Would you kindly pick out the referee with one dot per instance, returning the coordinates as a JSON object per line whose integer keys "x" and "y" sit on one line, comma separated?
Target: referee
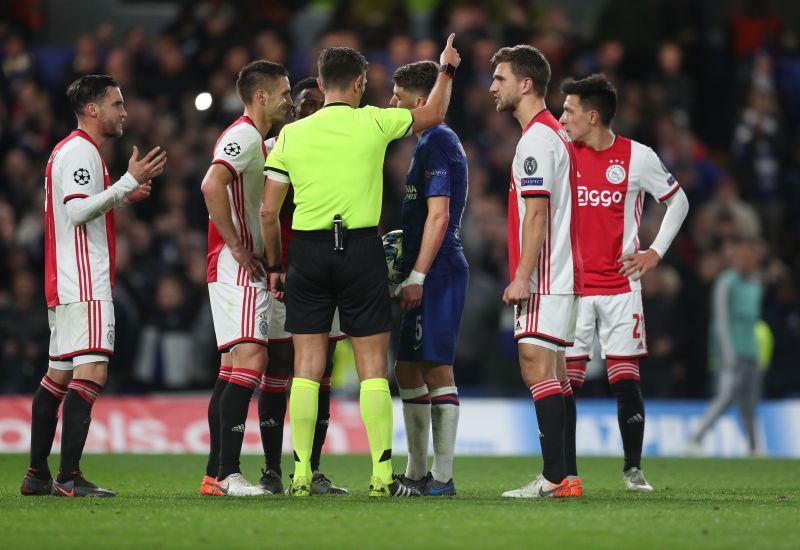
{"x": 334, "y": 161}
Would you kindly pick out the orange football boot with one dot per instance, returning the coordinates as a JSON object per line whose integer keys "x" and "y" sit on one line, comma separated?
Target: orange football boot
{"x": 575, "y": 487}
{"x": 209, "y": 487}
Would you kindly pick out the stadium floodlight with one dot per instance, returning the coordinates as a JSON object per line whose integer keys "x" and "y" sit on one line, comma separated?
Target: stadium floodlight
{"x": 203, "y": 101}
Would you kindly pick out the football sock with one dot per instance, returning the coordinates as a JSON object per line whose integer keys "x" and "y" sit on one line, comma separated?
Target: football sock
{"x": 323, "y": 418}
{"x": 417, "y": 417}
{"x": 576, "y": 372}
{"x": 444, "y": 419}
{"x": 271, "y": 417}
{"x": 303, "y": 418}
{"x": 81, "y": 395}
{"x": 233, "y": 405}
{"x": 376, "y": 413}
{"x": 44, "y": 419}
{"x": 212, "y": 466}
{"x": 630, "y": 416}
{"x": 549, "y": 403}
{"x": 570, "y": 425}
{"x": 623, "y": 376}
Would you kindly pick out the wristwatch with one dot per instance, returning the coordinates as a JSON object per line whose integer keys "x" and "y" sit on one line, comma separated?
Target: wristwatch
{"x": 448, "y": 69}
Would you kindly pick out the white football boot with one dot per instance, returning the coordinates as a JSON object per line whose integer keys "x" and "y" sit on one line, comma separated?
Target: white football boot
{"x": 635, "y": 481}
{"x": 235, "y": 485}
{"x": 540, "y": 488}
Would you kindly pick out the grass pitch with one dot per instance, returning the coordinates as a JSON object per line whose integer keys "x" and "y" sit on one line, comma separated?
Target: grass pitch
{"x": 698, "y": 503}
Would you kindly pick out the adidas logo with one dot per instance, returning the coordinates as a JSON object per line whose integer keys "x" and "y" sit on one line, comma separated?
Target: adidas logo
{"x": 519, "y": 326}
{"x": 640, "y": 346}
{"x": 239, "y": 428}
{"x": 269, "y": 423}
{"x": 635, "y": 419}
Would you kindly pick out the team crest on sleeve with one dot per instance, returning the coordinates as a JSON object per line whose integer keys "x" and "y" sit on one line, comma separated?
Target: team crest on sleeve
{"x": 232, "y": 149}
{"x": 615, "y": 173}
{"x": 530, "y": 166}
{"x": 81, "y": 176}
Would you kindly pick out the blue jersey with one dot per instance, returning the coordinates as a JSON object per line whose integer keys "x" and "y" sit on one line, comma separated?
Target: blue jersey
{"x": 438, "y": 168}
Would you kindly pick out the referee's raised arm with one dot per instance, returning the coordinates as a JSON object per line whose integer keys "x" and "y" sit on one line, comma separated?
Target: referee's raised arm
{"x": 435, "y": 108}
{"x": 334, "y": 161}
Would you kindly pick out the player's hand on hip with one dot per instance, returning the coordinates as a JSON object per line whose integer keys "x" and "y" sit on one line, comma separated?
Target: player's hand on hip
{"x": 141, "y": 192}
{"x": 253, "y": 265}
{"x": 517, "y": 293}
{"x": 149, "y": 167}
{"x": 637, "y": 264}
{"x": 276, "y": 282}
{"x": 410, "y": 297}
{"x": 450, "y": 55}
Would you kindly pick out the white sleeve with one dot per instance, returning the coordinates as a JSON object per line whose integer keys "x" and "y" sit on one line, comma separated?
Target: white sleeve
{"x": 677, "y": 209}
{"x": 234, "y": 149}
{"x": 84, "y": 209}
{"x": 534, "y": 167}
{"x": 654, "y": 176}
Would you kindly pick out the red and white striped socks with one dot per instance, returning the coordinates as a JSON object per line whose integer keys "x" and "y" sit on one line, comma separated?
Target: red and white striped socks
{"x": 622, "y": 369}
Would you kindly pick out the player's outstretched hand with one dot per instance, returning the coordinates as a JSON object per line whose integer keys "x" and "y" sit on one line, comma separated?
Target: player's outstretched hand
{"x": 517, "y": 293}
{"x": 276, "y": 285}
{"x": 410, "y": 296}
{"x": 141, "y": 192}
{"x": 149, "y": 167}
{"x": 450, "y": 54}
{"x": 637, "y": 264}
{"x": 255, "y": 266}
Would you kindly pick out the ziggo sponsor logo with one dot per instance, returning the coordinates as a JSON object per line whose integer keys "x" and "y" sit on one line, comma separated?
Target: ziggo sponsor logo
{"x": 598, "y": 198}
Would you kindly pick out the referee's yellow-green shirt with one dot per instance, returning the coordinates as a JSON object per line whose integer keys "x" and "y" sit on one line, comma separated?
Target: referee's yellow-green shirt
{"x": 334, "y": 161}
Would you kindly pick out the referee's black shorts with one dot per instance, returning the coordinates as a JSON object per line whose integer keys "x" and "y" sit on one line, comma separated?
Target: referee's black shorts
{"x": 319, "y": 279}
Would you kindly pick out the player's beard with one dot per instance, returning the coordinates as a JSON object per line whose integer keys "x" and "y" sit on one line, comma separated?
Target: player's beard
{"x": 506, "y": 104}
{"x": 112, "y": 128}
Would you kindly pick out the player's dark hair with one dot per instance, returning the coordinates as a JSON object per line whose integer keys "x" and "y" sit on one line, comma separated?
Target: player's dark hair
{"x": 595, "y": 92}
{"x": 308, "y": 83}
{"x": 258, "y": 74}
{"x": 526, "y": 62}
{"x": 339, "y": 66}
{"x": 90, "y": 88}
{"x": 419, "y": 76}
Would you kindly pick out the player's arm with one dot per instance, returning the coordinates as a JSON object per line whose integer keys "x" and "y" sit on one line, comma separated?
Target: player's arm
{"x": 534, "y": 227}
{"x": 657, "y": 181}
{"x": 271, "y": 202}
{"x": 215, "y": 192}
{"x": 82, "y": 208}
{"x": 435, "y": 109}
{"x": 432, "y": 236}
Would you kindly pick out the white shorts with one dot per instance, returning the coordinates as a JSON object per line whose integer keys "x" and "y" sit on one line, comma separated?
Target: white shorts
{"x": 277, "y": 332}
{"x": 618, "y": 319}
{"x": 80, "y": 333}
{"x": 241, "y": 314}
{"x": 547, "y": 320}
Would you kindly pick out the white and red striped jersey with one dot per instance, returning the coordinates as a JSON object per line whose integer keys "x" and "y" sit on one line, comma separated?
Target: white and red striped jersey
{"x": 611, "y": 187}
{"x": 544, "y": 166}
{"x": 241, "y": 149}
{"x": 79, "y": 261}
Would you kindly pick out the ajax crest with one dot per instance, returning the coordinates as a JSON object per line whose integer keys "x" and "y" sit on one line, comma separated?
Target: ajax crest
{"x": 615, "y": 173}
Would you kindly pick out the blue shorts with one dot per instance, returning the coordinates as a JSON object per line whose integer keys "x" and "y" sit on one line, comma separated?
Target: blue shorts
{"x": 429, "y": 333}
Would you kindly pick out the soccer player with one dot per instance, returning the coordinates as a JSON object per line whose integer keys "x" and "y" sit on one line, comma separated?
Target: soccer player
{"x": 275, "y": 383}
{"x": 79, "y": 276}
{"x": 544, "y": 259}
{"x": 334, "y": 162}
{"x": 613, "y": 175}
{"x": 240, "y": 301}
{"x": 433, "y": 293}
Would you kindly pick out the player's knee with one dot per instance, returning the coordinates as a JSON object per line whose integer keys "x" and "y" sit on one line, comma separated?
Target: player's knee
{"x": 96, "y": 372}
{"x": 249, "y": 356}
{"x": 61, "y": 377}
{"x": 438, "y": 376}
{"x": 408, "y": 375}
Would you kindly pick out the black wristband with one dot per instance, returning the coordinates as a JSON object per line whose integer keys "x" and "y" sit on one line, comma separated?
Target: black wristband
{"x": 448, "y": 69}
{"x": 277, "y": 268}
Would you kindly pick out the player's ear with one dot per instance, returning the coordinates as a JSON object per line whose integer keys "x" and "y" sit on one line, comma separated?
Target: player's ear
{"x": 320, "y": 86}
{"x": 421, "y": 101}
{"x": 527, "y": 85}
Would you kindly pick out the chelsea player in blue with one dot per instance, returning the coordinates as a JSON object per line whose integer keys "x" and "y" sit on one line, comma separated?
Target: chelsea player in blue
{"x": 433, "y": 293}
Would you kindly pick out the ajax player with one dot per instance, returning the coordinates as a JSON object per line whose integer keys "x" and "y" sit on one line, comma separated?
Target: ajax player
{"x": 544, "y": 259}
{"x": 613, "y": 174}
{"x": 79, "y": 276}
{"x": 240, "y": 301}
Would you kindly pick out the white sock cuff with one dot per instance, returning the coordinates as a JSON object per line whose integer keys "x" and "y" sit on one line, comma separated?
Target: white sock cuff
{"x": 413, "y": 393}
{"x": 446, "y": 390}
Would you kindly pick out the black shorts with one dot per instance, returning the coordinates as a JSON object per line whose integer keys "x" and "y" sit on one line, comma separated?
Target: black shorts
{"x": 319, "y": 279}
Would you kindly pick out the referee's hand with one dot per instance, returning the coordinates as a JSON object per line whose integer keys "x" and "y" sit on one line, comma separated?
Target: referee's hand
{"x": 254, "y": 266}
{"x": 450, "y": 55}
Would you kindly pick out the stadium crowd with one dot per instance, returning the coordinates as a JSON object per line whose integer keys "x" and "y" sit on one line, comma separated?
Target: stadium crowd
{"x": 720, "y": 106}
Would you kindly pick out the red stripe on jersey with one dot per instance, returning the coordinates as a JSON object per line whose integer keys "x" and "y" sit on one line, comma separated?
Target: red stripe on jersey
{"x": 75, "y": 196}
{"x": 88, "y": 262}
{"x": 637, "y": 214}
{"x": 513, "y": 229}
{"x": 670, "y": 193}
{"x": 215, "y": 244}
{"x": 111, "y": 233}
{"x": 50, "y": 252}
{"x": 79, "y": 263}
{"x": 574, "y": 229}
{"x": 549, "y": 245}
